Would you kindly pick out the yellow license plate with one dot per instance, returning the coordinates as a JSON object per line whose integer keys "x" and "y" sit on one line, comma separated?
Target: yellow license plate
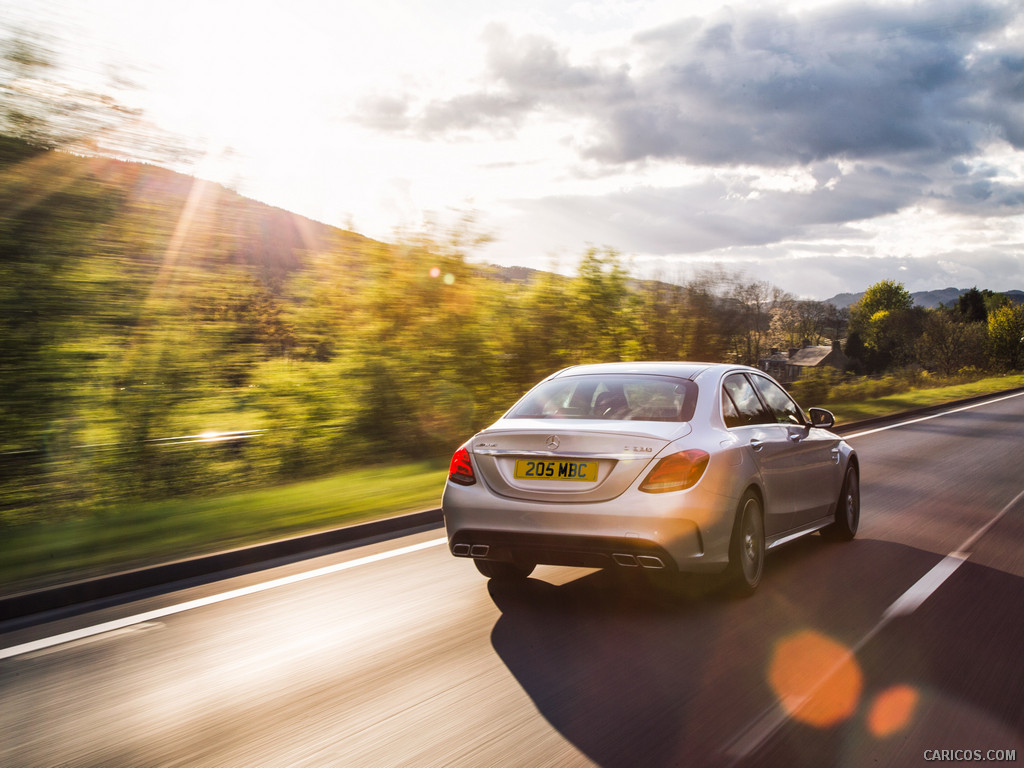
{"x": 556, "y": 469}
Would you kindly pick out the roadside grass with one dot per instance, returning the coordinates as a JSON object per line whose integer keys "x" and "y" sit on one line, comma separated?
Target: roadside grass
{"x": 135, "y": 535}
{"x": 850, "y": 411}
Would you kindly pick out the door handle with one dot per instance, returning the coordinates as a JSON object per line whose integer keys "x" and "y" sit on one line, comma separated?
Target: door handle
{"x": 798, "y": 434}
{"x": 756, "y": 444}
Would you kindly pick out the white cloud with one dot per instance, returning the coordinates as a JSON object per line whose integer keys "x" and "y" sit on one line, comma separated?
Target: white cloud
{"x": 820, "y": 145}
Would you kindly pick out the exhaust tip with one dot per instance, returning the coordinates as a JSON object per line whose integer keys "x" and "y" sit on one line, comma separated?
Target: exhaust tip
{"x": 650, "y": 561}
{"x": 627, "y": 561}
{"x": 479, "y": 550}
{"x": 461, "y": 550}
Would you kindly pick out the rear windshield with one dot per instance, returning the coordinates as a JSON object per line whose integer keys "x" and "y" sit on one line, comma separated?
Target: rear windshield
{"x": 618, "y": 397}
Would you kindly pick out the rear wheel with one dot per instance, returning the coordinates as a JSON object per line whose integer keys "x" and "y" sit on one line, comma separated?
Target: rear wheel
{"x": 844, "y": 528}
{"x": 502, "y": 571}
{"x": 746, "y": 550}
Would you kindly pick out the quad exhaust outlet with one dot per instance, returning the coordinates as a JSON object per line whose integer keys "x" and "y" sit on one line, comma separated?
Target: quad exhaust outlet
{"x": 638, "y": 561}
{"x": 622, "y": 559}
{"x": 471, "y": 550}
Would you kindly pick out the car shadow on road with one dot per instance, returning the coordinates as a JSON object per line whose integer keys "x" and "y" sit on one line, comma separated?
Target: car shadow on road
{"x": 610, "y": 664}
{"x": 636, "y": 674}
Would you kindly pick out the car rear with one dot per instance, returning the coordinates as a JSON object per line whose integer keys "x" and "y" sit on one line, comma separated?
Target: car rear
{"x": 595, "y": 470}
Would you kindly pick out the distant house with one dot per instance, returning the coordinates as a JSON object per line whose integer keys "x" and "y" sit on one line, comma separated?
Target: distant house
{"x": 789, "y": 366}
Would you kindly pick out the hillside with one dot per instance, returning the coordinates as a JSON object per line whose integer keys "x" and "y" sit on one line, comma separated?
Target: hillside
{"x": 179, "y": 211}
{"x": 927, "y": 299}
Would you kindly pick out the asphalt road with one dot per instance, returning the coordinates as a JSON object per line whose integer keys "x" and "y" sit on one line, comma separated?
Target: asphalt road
{"x": 887, "y": 650}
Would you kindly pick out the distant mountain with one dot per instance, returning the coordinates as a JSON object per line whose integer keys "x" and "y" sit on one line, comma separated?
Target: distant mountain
{"x": 844, "y": 300}
{"x": 521, "y": 275}
{"x": 926, "y": 299}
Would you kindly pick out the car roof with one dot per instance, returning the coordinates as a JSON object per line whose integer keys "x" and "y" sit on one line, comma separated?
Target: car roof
{"x": 682, "y": 370}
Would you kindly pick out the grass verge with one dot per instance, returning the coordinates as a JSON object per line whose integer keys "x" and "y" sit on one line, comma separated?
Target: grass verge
{"x": 846, "y": 412}
{"x": 142, "y": 534}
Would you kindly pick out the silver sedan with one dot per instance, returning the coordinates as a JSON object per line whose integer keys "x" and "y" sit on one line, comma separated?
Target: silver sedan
{"x": 671, "y": 467}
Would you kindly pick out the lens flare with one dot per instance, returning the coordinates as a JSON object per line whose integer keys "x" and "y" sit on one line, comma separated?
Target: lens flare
{"x": 816, "y": 679}
{"x": 892, "y": 710}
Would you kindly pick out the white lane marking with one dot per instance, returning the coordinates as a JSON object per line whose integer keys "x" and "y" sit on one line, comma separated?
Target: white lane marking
{"x": 933, "y": 416}
{"x": 911, "y": 600}
{"x": 973, "y": 539}
{"x": 775, "y": 716}
{"x": 159, "y": 613}
{"x": 126, "y": 631}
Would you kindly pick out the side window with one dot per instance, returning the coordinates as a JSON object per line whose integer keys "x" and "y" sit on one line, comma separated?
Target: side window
{"x": 786, "y": 411}
{"x": 730, "y": 414}
{"x": 747, "y": 406}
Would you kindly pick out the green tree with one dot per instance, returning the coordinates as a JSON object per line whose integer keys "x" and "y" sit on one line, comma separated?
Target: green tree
{"x": 889, "y": 325}
{"x": 883, "y": 296}
{"x": 971, "y": 306}
{"x": 1006, "y": 336}
{"x": 994, "y": 301}
{"x": 948, "y": 345}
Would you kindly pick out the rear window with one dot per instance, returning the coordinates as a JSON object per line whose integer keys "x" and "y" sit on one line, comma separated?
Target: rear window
{"x": 619, "y": 397}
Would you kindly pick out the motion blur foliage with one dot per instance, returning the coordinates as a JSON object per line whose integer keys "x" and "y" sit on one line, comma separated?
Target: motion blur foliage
{"x": 600, "y": 302}
{"x": 53, "y": 304}
{"x": 821, "y": 386}
{"x": 40, "y": 108}
{"x": 815, "y": 387}
{"x": 163, "y": 336}
{"x": 414, "y": 324}
{"x": 133, "y": 308}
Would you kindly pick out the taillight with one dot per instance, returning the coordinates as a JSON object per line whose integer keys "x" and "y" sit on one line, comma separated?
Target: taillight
{"x": 676, "y": 472}
{"x": 461, "y": 469}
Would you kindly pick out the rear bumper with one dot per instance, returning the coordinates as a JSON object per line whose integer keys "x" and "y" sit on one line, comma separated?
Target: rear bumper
{"x": 686, "y": 531}
{"x": 553, "y": 549}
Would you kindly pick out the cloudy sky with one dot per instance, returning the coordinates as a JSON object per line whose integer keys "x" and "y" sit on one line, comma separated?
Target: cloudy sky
{"x": 820, "y": 146}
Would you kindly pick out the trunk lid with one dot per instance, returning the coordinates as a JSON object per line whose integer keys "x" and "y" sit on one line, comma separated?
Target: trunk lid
{"x": 577, "y": 461}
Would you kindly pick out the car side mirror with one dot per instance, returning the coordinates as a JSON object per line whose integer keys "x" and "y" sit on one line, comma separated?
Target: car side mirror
{"x": 822, "y": 418}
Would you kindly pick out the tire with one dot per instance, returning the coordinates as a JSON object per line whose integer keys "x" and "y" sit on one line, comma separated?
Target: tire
{"x": 502, "y": 571}
{"x": 746, "y": 549}
{"x": 847, "y": 520}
